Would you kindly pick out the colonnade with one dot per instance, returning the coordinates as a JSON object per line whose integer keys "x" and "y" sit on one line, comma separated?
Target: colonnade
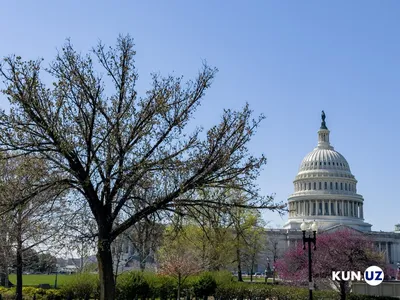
{"x": 390, "y": 249}
{"x": 326, "y": 208}
{"x": 325, "y": 185}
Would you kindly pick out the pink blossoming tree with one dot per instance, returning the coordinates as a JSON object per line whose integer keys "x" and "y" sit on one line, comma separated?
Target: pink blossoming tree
{"x": 342, "y": 250}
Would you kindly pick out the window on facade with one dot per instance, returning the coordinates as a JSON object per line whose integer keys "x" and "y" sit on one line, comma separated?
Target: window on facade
{"x": 330, "y": 185}
{"x": 313, "y": 209}
{"x": 315, "y": 185}
{"x": 333, "y": 163}
{"x": 320, "y": 163}
{"x": 324, "y": 163}
{"x": 329, "y": 163}
{"x": 336, "y": 185}
{"x": 341, "y": 186}
{"x": 326, "y": 185}
{"x": 309, "y": 185}
{"x": 333, "y": 209}
{"x": 326, "y": 208}
{"x": 320, "y": 208}
{"x": 339, "y": 211}
{"x": 345, "y": 186}
{"x": 320, "y": 184}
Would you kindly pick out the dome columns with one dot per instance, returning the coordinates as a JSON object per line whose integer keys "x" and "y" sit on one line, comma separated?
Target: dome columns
{"x": 326, "y": 207}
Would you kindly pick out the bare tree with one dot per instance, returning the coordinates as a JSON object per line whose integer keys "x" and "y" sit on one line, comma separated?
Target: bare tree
{"x": 272, "y": 246}
{"x": 117, "y": 253}
{"x": 110, "y": 143}
{"x": 6, "y": 250}
{"x": 145, "y": 237}
{"x": 31, "y": 213}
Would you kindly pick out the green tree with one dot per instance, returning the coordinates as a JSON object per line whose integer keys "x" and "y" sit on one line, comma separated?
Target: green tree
{"x": 210, "y": 231}
{"x": 178, "y": 260}
{"x": 249, "y": 233}
{"x": 47, "y": 263}
{"x": 30, "y": 260}
{"x": 254, "y": 238}
{"x": 110, "y": 144}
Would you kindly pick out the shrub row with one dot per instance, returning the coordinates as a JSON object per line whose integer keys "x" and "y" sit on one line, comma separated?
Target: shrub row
{"x": 31, "y": 292}
{"x": 221, "y": 285}
{"x": 82, "y": 286}
{"x": 138, "y": 285}
{"x": 133, "y": 285}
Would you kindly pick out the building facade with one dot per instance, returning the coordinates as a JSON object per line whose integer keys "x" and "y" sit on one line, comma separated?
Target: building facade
{"x": 325, "y": 190}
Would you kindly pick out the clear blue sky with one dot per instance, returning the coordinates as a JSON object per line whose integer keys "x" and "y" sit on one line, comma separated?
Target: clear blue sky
{"x": 288, "y": 59}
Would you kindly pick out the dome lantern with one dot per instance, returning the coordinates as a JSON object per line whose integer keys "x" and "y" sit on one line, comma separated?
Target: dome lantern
{"x": 323, "y": 134}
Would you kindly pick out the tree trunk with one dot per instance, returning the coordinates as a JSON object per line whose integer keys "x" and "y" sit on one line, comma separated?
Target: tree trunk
{"x": 118, "y": 256}
{"x": 18, "y": 292}
{"x": 179, "y": 287}
{"x": 105, "y": 263}
{"x": 4, "y": 281}
{"x": 239, "y": 261}
{"x": 142, "y": 259}
{"x": 342, "y": 290}
{"x": 252, "y": 267}
{"x": 142, "y": 265}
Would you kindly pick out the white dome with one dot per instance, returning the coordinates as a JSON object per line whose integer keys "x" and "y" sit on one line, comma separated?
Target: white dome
{"x": 324, "y": 159}
{"x": 325, "y": 190}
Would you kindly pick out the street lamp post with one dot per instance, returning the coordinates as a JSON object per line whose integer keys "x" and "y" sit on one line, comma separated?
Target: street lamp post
{"x": 267, "y": 271}
{"x": 309, "y": 239}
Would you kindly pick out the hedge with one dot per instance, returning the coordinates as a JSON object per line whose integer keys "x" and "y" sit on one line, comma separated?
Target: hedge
{"x": 30, "y": 292}
{"x": 142, "y": 285}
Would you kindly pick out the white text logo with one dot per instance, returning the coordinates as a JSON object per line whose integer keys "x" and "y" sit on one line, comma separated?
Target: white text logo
{"x": 373, "y": 275}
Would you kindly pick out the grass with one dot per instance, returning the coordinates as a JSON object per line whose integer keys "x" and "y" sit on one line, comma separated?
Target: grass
{"x": 36, "y": 279}
{"x": 258, "y": 279}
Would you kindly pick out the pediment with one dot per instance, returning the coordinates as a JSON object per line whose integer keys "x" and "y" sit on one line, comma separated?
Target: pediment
{"x": 341, "y": 227}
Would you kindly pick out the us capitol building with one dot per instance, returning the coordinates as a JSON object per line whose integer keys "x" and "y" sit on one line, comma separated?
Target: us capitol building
{"x": 325, "y": 190}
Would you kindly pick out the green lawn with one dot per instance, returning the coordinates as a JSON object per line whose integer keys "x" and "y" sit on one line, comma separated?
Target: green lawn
{"x": 36, "y": 279}
{"x": 258, "y": 279}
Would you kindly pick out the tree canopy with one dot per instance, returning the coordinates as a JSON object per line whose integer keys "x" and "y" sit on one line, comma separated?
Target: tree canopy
{"x": 113, "y": 146}
{"x": 342, "y": 250}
